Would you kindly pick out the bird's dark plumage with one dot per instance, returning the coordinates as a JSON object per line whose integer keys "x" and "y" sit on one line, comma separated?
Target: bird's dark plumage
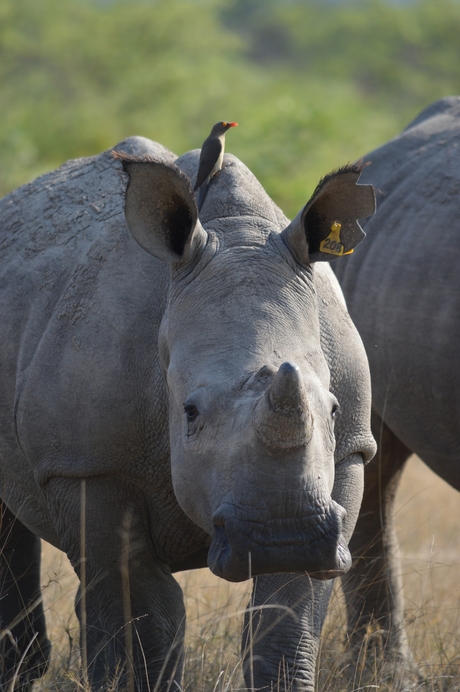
{"x": 212, "y": 153}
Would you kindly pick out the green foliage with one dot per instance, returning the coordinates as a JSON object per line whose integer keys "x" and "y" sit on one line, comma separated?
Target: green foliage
{"x": 312, "y": 84}
{"x": 400, "y": 52}
{"x": 77, "y": 78}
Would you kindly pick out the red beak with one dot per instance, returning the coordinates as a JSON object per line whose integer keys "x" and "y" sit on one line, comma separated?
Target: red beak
{"x": 233, "y": 124}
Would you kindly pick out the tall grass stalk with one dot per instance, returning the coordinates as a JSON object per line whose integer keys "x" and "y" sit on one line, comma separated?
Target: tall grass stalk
{"x": 83, "y": 632}
{"x": 126, "y": 528}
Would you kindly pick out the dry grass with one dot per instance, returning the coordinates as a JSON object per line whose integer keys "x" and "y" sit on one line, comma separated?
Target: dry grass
{"x": 428, "y": 523}
{"x": 429, "y": 530}
{"x": 428, "y": 519}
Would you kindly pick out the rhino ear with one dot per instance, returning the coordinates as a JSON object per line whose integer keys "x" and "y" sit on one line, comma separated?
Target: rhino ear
{"x": 327, "y": 227}
{"x": 160, "y": 208}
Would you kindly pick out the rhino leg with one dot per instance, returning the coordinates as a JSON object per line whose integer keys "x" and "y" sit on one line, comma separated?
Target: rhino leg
{"x": 373, "y": 588}
{"x": 24, "y": 647}
{"x": 286, "y": 613}
{"x": 133, "y": 607}
{"x": 282, "y": 632}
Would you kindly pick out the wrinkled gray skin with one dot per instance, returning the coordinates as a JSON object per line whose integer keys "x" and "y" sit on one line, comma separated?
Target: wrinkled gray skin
{"x": 103, "y": 344}
{"x": 402, "y": 288}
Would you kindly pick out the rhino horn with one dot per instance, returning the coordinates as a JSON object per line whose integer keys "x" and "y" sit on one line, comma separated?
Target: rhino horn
{"x": 281, "y": 416}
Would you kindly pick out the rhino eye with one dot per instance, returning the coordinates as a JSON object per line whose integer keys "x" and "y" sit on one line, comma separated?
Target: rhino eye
{"x": 191, "y": 411}
{"x": 335, "y": 411}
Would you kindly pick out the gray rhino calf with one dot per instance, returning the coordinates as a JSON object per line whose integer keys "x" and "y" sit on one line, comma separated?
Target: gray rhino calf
{"x": 203, "y": 400}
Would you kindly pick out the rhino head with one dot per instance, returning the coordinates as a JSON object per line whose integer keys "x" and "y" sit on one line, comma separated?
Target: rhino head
{"x": 250, "y": 412}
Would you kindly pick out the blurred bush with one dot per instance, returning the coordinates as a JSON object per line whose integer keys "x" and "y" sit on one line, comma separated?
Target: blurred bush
{"x": 313, "y": 84}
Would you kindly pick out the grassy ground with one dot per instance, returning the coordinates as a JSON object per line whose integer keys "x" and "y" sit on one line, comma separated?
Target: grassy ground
{"x": 428, "y": 519}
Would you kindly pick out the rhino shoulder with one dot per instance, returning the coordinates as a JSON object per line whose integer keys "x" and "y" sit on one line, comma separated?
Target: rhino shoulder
{"x": 448, "y": 106}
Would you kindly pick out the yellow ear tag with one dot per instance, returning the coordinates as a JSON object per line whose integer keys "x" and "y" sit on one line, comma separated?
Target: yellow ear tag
{"x": 332, "y": 245}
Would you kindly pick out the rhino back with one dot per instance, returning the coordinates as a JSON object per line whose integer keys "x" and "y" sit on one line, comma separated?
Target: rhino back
{"x": 80, "y": 307}
{"x": 402, "y": 284}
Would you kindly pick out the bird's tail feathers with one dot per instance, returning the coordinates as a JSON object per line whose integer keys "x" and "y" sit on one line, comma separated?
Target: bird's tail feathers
{"x": 201, "y": 195}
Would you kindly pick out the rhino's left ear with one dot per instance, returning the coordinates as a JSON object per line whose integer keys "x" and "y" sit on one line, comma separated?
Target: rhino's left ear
{"x": 327, "y": 227}
{"x": 160, "y": 208}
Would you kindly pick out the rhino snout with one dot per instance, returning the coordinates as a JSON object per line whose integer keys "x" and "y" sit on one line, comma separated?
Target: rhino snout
{"x": 243, "y": 547}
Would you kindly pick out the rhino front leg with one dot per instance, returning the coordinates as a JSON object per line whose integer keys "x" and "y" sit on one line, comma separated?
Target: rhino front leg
{"x": 373, "y": 587}
{"x": 282, "y": 631}
{"x": 134, "y": 611}
{"x": 287, "y": 611}
{"x": 24, "y": 647}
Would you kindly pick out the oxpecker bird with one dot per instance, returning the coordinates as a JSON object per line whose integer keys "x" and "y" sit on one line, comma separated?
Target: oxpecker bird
{"x": 212, "y": 154}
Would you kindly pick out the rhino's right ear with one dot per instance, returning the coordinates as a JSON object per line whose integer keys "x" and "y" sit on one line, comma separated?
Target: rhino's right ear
{"x": 327, "y": 227}
{"x": 160, "y": 208}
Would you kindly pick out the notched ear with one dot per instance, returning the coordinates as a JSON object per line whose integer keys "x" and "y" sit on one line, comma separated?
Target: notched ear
{"x": 160, "y": 208}
{"x": 327, "y": 226}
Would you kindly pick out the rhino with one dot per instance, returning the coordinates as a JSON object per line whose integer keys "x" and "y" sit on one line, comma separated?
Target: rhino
{"x": 400, "y": 287}
{"x": 176, "y": 392}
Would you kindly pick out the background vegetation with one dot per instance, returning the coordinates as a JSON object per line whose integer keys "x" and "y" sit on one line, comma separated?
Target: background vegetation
{"x": 312, "y": 83}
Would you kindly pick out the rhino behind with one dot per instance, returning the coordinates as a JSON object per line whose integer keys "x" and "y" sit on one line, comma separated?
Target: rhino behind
{"x": 402, "y": 290}
{"x": 168, "y": 391}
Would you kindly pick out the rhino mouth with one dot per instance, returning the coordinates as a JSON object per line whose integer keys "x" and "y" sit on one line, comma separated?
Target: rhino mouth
{"x": 238, "y": 552}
